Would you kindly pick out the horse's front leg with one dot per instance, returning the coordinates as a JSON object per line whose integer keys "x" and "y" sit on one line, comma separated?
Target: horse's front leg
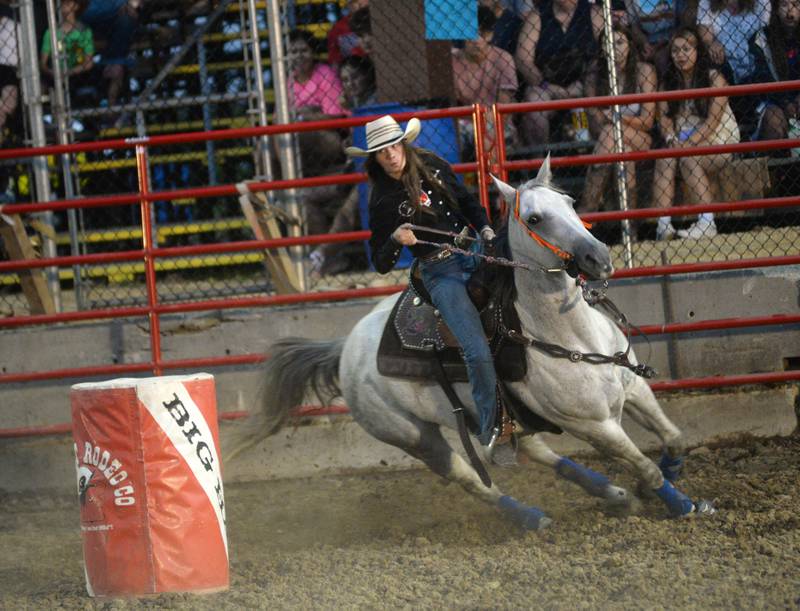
{"x": 609, "y": 438}
{"x": 642, "y": 406}
{"x": 594, "y": 483}
{"x": 423, "y": 440}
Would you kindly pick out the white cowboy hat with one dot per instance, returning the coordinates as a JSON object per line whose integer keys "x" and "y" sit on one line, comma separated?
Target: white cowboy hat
{"x": 385, "y": 132}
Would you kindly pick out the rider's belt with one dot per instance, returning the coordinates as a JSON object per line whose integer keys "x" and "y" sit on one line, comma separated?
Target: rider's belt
{"x": 437, "y": 255}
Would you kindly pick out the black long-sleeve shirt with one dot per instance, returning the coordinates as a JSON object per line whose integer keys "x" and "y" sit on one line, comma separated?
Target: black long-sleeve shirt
{"x": 389, "y": 208}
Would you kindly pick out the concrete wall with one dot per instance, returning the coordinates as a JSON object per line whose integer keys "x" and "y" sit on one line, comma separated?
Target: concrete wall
{"x": 341, "y": 445}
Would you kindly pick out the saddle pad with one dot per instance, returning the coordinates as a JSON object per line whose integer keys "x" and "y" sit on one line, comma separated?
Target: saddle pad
{"x": 412, "y": 334}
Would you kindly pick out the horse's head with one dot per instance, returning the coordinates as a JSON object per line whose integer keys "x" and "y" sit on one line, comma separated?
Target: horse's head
{"x": 544, "y": 227}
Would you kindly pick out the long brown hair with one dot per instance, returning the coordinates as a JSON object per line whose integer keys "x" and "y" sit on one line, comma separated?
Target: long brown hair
{"x": 414, "y": 173}
{"x": 629, "y": 69}
{"x": 701, "y": 76}
{"x": 776, "y": 39}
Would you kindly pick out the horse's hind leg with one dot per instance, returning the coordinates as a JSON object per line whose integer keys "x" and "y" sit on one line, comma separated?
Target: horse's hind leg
{"x": 595, "y": 484}
{"x": 642, "y": 406}
{"x": 424, "y": 441}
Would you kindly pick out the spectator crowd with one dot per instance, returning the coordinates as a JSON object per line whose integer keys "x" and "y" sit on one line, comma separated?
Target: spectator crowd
{"x": 523, "y": 50}
{"x": 539, "y": 50}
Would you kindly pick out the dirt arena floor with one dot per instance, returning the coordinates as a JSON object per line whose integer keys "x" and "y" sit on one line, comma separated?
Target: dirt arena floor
{"x": 404, "y": 540}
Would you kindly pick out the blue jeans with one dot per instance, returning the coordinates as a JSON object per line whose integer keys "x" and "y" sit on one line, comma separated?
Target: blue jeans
{"x": 446, "y": 281}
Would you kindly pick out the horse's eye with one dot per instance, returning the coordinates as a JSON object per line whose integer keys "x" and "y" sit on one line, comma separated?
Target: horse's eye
{"x": 533, "y": 219}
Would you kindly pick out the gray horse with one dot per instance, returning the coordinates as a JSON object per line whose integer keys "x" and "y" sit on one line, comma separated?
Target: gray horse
{"x": 584, "y": 399}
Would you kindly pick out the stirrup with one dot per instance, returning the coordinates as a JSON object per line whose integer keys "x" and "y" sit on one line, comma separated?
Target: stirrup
{"x": 502, "y": 447}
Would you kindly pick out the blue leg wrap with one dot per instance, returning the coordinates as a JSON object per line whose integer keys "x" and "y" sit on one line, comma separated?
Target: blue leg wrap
{"x": 676, "y": 501}
{"x": 593, "y": 482}
{"x": 671, "y": 468}
{"x": 529, "y": 518}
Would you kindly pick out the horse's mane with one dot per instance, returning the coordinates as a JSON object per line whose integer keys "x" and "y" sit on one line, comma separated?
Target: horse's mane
{"x": 501, "y": 279}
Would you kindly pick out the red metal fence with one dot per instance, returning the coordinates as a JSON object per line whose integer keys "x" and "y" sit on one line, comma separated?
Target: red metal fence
{"x": 488, "y": 160}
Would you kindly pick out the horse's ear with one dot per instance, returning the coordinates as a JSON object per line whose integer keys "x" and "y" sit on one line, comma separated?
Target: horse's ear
{"x": 508, "y": 192}
{"x": 545, "y": 175}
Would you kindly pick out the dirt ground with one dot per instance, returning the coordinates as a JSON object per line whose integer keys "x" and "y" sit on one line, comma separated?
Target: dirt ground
{"x": 405, "y": 540}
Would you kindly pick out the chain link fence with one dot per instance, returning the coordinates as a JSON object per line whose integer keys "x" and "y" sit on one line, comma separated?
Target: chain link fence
{"x": 155, "y": 67}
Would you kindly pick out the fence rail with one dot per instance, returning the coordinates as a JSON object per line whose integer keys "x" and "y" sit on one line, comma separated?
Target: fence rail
{"x": 487, "y": 161}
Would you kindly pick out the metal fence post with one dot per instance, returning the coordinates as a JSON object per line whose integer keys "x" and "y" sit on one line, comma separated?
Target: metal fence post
{"x": 32, "y": 99}
{"x": 622, "y": 182}
{"x": 149, "y": 262}
{"x": 58, "y": 106}
{"x": 285, "y": 149}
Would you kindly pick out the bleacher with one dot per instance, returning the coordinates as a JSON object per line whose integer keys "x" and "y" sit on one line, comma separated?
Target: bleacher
{"x": 180, "y": 103}
{"x": 208, "y": 89}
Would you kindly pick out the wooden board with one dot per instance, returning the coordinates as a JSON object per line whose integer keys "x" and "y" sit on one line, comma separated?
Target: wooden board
{"x": 33, "y": 281}
{"x": 265, "y": 227}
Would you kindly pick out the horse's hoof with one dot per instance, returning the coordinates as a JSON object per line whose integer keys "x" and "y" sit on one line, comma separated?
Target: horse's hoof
{"x": 529, "y": 518}
{"x": 620, "y": 502}
{"x": 701, "y": 509}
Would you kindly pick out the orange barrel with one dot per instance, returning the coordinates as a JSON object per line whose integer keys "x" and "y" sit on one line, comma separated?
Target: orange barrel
{"x": 150, "y": 485}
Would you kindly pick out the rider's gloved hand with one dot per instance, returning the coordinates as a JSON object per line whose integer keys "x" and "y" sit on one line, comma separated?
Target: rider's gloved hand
{"x": 404, "y": 235}
{"x": 488, "y": 236}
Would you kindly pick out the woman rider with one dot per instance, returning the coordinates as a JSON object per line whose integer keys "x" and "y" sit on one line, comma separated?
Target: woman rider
{"x": 413, "y": 186}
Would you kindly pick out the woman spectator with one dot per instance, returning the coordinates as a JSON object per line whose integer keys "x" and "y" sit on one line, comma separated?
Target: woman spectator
{"x": 728, "y": 28}
{"x": 315, "y": 87}
{"x": 633, "y": 76}
{"x": 555, "y": 50}
{"x": 358, "y": 87}
{"x": 690, "y": 123}
{"x": 783, "y": 57}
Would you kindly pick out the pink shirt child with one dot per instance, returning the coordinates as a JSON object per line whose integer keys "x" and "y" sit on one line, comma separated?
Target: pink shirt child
{"x": 323, "y": 89}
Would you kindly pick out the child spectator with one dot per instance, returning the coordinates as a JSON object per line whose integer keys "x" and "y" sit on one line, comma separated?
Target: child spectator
{"x": 556, "y": 48}
{"x": 9, "y": 61}
{"x": 76, "y": 42}
{"x": 633, "y": 76}
{"x": 315, "y": 87}
{"x": 362, "y": 28}
{"x": 357, "y": 75}
{"x": 690, "y": 123}
{"x": 114, "y": 22}
{"x": 783, "y": 57}
{"x": 342, "y": 41}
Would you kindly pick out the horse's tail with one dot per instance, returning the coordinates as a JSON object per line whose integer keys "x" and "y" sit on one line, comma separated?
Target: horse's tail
{"x": 295, "y": 366}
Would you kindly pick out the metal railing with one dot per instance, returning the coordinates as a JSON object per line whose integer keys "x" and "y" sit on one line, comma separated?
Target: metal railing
{"x": 150, "y": 253}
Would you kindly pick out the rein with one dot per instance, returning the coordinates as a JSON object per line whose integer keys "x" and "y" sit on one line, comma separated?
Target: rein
{"x": 593, "y": 297}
